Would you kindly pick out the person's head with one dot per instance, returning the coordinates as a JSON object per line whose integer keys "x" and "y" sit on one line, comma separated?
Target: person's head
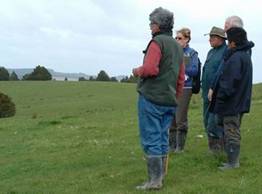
{"x": 236, "y": 37}
{"x": 233, "y": 21}
{"x": 161, "y": 20}
{"x": 183, "y": 37}
{"x": 217, "y": 37}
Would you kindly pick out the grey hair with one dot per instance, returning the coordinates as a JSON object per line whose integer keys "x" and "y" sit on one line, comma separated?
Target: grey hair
{"x": 163, "y": 17}
{"x": 235, "y": 21}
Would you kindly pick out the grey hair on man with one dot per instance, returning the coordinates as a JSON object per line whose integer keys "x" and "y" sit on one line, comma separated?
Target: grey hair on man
{"x": 164, "y": 18}
{"x": 233, "y": 21}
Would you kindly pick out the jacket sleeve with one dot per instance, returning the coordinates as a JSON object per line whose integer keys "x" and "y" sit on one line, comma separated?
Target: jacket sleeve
{"x": 150, "y": 65}
{"x": 219, "y": 69}
{"x": 180, "y": 80}
{"x": 217, "y": 75}
{"x": 230, "y": 77}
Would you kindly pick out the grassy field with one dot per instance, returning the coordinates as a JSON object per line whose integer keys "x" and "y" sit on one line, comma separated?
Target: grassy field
{"x": 82, "y": 137}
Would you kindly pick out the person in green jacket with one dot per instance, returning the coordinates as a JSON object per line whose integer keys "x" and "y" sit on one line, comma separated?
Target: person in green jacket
{"x": 161, "y": 79}
{"x": 214, "y": 59}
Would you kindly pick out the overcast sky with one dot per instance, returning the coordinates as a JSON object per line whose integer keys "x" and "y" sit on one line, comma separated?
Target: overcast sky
{"x": 92, "y": 35}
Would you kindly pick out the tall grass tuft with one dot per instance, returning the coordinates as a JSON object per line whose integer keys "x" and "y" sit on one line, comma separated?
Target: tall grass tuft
{"x": 7, "y": 107}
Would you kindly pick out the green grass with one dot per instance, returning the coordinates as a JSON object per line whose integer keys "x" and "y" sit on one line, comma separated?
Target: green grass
{"x": 82, "y": 137}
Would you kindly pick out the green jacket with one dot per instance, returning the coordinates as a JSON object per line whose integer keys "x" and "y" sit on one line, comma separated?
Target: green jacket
{"x": 212, "y": 63}
{"x": 161, "y": 89}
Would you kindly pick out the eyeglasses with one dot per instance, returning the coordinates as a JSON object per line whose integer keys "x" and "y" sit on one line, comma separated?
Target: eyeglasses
{"x": 179, "y": 38}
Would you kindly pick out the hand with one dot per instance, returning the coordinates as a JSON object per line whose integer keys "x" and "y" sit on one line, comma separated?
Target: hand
{"x": 134, "y": 71}
{"x": 210, "y": 94}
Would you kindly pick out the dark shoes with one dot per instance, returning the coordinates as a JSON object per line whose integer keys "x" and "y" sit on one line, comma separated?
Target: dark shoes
{"x": 149, "y": 186}
{"x": 228, "y": 166}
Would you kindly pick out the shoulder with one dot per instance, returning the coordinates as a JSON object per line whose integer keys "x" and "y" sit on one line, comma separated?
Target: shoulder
{"x": 192, "y": 52}
{"x": 167, "y": 42}
{"x": 210, "y": 51}
{"x": 222, "y": 48}
{"x": 242, "y": 55}
{"x": 235, "y": 58}
{"x": 163, "y": 37}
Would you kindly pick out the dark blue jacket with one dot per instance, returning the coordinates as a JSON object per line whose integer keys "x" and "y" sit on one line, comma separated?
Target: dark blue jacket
{"x": 191, "y": 66}
{"x": 232, "y": 93}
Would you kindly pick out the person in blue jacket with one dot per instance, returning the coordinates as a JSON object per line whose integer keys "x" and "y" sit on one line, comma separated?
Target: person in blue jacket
{"x": 232, "y": 93}
{"x": 178, "y": 130}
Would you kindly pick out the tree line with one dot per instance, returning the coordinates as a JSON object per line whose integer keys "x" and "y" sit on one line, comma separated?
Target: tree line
{"x": 103, "y": 76}
{"x": 41, "y": 73}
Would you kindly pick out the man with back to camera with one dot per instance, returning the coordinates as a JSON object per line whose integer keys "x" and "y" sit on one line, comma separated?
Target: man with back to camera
{"x": 161, "y": 79}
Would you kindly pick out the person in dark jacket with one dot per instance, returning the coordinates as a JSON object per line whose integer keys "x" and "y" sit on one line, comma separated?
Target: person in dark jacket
{"x": 232, "y": 94}
{"x": 213, "y": 61}
{"x": 161, "y": 79}
{"x": 217, "y": 141}
{"x": 232, "y": 21}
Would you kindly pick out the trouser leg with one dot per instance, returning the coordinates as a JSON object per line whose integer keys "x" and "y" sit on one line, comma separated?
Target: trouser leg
{"x": 182, "y": 119}
{"x": 154, "y": 122}
{"x": 215, "y": 133}
{"x": 172, "y": 136}
{"x": 232, "y": 141}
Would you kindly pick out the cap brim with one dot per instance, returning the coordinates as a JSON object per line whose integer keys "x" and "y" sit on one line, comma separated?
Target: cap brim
{"x": 215, "y": 35}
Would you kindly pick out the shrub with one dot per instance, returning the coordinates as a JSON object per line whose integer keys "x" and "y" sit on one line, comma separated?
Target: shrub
{"x": 82, "y": 79}
{"x": 7, "y": 107}
{"x": 39, "y": 73}
{"x": 13, "y": 76}
{"x": 91, "y": 78}
{"x": 4, "y": 75}
{"x": 131, "y": 79}
{"x": 113, "y": 79}
{"x": 102, "y": 76}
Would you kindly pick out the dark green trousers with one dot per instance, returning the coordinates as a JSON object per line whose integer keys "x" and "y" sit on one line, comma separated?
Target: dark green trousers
{"x": 231, "y": 126}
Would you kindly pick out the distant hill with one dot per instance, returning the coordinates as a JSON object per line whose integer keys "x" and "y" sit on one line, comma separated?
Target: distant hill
{"x": 56, "y": 75}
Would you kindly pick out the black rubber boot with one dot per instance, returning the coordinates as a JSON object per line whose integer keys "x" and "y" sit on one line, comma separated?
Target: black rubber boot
{"x": 232, "y": 152}
{"x": 154, "y": 167}
{"x": 164, "y": 166}
{"x": 215, "y": 145}
{"x": 172, "y": 139}
{"x": 211, "y": 144}
{"x": 181, "y": 140}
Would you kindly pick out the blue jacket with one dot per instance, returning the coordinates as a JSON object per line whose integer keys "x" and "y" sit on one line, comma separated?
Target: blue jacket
{"x": 232, "y": 92}
{"x": 191, "y": 65}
